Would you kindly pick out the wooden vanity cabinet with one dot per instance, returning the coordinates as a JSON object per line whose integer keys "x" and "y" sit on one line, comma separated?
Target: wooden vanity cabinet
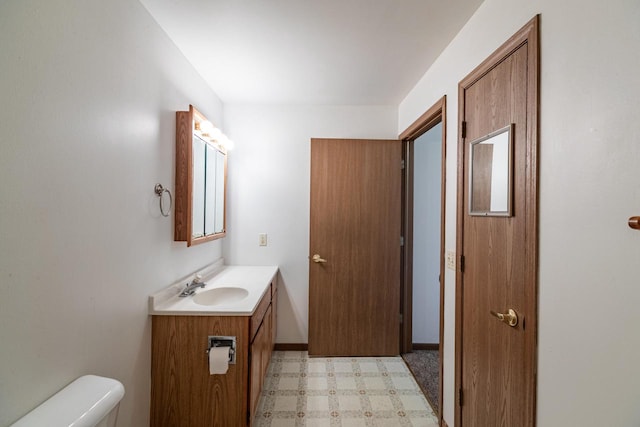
{"x": 182, "y": 391}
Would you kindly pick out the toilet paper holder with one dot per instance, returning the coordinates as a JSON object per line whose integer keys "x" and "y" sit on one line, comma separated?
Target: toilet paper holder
{"x": 222, "y": 341}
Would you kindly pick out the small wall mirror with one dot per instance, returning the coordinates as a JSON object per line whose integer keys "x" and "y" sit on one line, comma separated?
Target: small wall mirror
{"x": 491, "y": 174}
{"x": 201, "y": 180}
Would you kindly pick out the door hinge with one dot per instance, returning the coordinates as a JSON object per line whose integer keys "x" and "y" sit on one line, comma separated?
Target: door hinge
{"x": 462, "y": 263}
{"x": 460, "y": 396}
{"x": 401, "y": 240}
{"x": 463, "y": 130}
{"x": 401, "y": 317}
{"x": 402, "y": 164}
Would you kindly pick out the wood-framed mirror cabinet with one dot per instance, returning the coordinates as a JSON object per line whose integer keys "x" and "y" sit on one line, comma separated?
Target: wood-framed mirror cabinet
{"x": 201, "y": 180}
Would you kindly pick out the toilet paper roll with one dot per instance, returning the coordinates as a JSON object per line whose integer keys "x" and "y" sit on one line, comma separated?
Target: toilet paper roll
{"x": 218, "y": 360}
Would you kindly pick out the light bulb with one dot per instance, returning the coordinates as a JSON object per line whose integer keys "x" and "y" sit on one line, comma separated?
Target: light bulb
{"x": 215, "y": 134}
{"x": 226, "y": 142}
{"x": 206, "y": 127}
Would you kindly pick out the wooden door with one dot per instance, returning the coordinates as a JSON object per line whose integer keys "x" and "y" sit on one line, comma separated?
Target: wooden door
{"x": 496, "y": 362}
{"x": 354, "y": 297}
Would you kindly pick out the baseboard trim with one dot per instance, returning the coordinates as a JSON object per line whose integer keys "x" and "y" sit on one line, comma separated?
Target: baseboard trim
{"x": 425, "y": 346}
{"x": 291, "y": 347}
{"x": 305, "y": 346}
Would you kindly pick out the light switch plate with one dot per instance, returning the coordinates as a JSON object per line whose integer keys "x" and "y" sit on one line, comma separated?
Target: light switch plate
{"x": 262, "y": 239}
{"x": 451, "y": 260}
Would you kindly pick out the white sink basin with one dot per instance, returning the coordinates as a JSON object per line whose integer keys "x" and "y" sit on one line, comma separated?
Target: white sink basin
{"x": 220, "y": 296}
{"x": 232, "y": 290}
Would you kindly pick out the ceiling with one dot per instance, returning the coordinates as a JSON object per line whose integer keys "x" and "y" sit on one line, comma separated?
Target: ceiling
{"x": 330, "y": 52}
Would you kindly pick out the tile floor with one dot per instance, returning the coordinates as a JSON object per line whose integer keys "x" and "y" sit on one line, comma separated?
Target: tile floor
{"x": 341, "y": 392}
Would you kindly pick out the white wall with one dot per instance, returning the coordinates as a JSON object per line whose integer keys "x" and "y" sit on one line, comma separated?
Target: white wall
{"x": 427, "y": 181}
{"x": 89, "y": 91}
{"x": 269, "y": 190}
{"x": 588, "y": 374}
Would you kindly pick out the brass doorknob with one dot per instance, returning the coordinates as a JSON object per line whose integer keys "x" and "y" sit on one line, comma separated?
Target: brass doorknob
{"x": 316, "y": 258}
{"x": 510, "y": 317}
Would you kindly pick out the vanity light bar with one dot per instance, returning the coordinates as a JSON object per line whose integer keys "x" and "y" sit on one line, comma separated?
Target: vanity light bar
{"x": 207, "y": 131}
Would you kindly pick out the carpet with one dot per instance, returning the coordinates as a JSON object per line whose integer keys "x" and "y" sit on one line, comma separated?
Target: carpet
{"x": 425, "y": 367}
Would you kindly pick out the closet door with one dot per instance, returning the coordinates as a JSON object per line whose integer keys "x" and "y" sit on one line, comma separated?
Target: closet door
{"x": 354, "y": 254}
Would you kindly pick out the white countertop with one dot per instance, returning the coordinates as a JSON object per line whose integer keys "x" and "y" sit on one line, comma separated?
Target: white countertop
{"x": 255, "y": 279}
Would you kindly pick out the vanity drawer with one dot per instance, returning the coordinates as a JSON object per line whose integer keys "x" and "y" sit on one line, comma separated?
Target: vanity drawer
{"x": 258, "y": 315}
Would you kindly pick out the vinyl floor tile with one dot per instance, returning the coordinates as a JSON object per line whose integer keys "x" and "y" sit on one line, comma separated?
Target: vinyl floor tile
{"x": 341, "y": 392}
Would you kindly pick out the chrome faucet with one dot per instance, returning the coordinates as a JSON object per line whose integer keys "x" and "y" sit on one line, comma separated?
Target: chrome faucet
{"x": 190, "y": 288}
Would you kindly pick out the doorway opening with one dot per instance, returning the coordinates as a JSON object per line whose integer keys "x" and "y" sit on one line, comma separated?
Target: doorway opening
{"x": 423, "y": 251}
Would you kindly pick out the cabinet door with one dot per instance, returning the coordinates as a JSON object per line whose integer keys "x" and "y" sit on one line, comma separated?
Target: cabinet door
{"x": 210, "y": 191}
{"x": 197, "y": 209}
{"x": 255, "y": 374}
{"x": 274, "y": 318}
{"x": 183, "y": 393}
{"x": 221, "y": 174}
{"x": 267, "y": 344}
{"x": 260, "y": 358}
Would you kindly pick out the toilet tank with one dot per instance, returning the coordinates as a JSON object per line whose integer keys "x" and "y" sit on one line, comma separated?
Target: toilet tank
{"x": 89, "y": 401}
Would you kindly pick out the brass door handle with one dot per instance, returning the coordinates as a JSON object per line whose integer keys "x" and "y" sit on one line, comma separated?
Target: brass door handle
{"x": 316, "y": 258}
{"x": 510, "y": 318}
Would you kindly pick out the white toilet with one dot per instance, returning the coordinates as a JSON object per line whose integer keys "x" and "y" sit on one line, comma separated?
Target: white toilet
{"x": 89, "y": 401}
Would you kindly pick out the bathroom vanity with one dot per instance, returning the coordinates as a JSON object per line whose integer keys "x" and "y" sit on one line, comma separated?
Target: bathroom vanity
{"x": 238, "y": 302}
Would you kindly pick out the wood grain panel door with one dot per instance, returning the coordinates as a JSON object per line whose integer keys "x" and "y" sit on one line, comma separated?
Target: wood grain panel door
{"x": 496, "y": 361}
{"x": 354, "y": 288}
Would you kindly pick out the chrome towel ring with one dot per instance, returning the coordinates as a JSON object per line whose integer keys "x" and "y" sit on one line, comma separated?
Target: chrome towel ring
{"x": 160, "y": 190}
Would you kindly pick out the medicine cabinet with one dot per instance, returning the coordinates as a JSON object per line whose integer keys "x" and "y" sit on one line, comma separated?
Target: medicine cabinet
{"x": 201, "y": 180}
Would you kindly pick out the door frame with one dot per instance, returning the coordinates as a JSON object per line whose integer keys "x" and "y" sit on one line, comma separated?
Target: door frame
{"x": 529, "y": 35}
{"x": 430, "y": 118}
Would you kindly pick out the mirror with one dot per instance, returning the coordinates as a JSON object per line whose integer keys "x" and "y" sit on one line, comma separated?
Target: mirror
{"x": 214, "y": 194}
{"x": 199, "y": 154}
{"x": 490, "y": 174}
{"x": 221, "y": 186}
{"x": 201, "y": 171}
